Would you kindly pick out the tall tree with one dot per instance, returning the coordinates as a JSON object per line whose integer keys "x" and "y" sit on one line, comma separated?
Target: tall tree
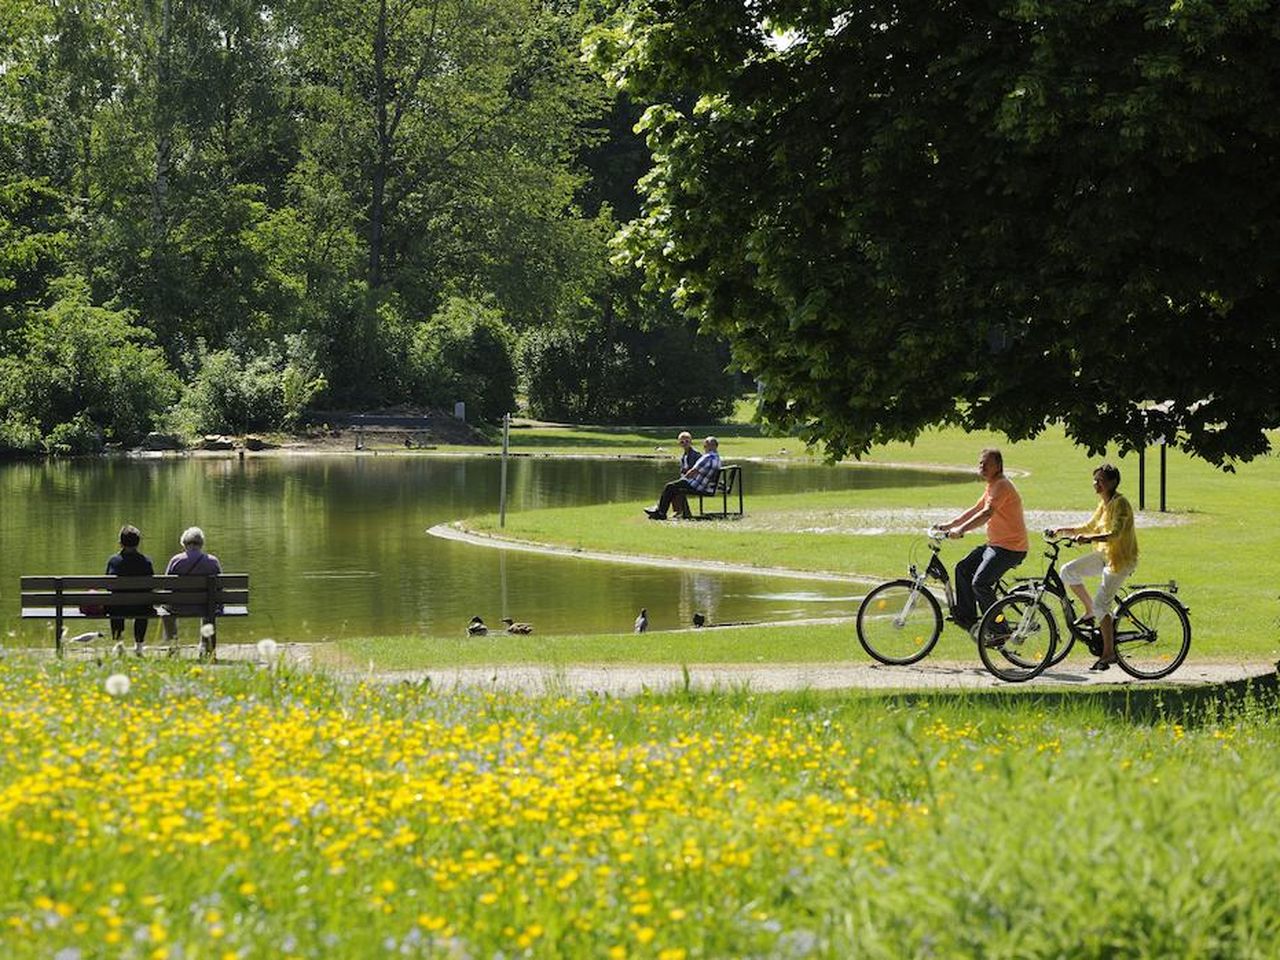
{"x": 995, "y": 214}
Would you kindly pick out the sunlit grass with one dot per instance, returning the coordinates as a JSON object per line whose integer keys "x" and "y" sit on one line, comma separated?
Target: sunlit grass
{"x": 227, "y": 812}
{"x": 1221, "y": 549}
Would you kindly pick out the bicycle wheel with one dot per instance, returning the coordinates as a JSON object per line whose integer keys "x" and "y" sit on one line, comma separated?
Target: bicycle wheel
{"x": 899, "y": 622}
{"x": 1063, "y": 645}
{"x": 1153, "y": 635}
{"x": 1017, "y": 638}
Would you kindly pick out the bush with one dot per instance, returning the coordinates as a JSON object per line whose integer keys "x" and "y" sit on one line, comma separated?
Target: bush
{"x": 465, "y": 352}
{"x": 237, "y": 389}
{"x": 615, "y": 373}
{"x": 78, "y": 375}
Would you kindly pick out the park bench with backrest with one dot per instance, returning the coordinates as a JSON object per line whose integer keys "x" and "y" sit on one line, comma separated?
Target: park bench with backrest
{"x": 728, "y": 481}
{"x": 102, "y": 597}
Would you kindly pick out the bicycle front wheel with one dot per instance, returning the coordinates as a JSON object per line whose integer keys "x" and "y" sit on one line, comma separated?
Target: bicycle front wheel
{"x": 899, "y": 622}
{"x": 1153, "y": 635}
{"x": 1017, "y": 638}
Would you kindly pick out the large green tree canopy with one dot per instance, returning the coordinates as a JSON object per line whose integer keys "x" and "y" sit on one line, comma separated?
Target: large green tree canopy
{"x": 1000, "y": 213}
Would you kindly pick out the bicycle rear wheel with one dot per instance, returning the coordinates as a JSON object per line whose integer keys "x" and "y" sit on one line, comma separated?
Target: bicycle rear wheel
{"x": 1017, "y": 638}
{"x": 1153, "y": 635}
{"x": 899, "y": 622}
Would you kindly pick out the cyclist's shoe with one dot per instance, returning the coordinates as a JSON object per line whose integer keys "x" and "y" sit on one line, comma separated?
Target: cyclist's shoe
{"x": 1100, "y": 665}
{"x": 1084, "y": 623}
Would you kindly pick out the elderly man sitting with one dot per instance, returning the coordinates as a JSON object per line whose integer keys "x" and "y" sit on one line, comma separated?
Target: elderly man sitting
{"x": 700, "y": 478}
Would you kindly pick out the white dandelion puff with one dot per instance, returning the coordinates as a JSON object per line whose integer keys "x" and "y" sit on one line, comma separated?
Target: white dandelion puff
{"x": 268, "y": 648}
{"x": 207, "y": 631}
{"x": 118, "y": 685}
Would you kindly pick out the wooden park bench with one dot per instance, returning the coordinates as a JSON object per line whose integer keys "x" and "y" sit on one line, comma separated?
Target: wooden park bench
{"x": 728, "y": 482}
{"x": 98, "y": 597}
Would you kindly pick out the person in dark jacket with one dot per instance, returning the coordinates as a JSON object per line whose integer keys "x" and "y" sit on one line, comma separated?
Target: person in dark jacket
{"x": 129, "y": 562}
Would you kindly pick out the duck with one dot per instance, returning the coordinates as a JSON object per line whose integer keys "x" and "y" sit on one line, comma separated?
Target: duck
{"x": 514, "y": 627}
{"x": 642, "y": 621}
{"x": 699, "y": 620}
{"x": 476, "y": 628}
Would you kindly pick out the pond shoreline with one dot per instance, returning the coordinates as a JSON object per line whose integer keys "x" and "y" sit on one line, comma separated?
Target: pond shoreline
{"x": 456, "y": 532}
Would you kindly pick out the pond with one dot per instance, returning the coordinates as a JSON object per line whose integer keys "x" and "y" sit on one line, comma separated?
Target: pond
{"x": 336, "y": 546}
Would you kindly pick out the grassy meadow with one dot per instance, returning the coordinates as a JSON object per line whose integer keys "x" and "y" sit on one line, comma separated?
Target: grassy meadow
{"x": 1219, "y": 539}
{"x": 229, "y": 812}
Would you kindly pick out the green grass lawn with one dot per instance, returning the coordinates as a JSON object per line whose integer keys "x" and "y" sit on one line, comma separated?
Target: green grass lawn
{"x": 210, "y": 814}
{"x": 1222, "y": 551}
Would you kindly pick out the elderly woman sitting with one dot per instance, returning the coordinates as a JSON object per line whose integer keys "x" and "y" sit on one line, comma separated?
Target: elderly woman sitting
{"x": 192, "y": 561}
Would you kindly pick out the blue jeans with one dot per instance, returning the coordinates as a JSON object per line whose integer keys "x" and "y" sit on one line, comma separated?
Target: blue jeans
{"x": 976, "y": 577}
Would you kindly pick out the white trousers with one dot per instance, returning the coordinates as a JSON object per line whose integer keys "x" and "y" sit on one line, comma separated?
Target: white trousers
{"x": 1093, "y": 565}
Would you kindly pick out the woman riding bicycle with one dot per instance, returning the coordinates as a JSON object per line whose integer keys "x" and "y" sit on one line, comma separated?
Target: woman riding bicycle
{"x": 1115, "y": 557}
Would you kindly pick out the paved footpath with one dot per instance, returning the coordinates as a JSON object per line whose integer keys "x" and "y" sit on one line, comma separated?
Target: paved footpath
{"x": 625, "y": 679}
{"x": 633, "y": 678}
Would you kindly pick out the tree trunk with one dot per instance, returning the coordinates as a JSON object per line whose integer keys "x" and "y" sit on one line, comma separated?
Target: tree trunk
{"x": 163, "y": 124}
{"x": 377, "y": 200}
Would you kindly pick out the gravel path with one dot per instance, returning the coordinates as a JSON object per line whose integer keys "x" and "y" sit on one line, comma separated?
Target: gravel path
{"x": 627, "y": 679}
{"x": 630, "y": 679}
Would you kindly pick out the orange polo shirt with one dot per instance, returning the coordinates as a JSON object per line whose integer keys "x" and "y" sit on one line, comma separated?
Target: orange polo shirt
{"x": 1006, "y": 527}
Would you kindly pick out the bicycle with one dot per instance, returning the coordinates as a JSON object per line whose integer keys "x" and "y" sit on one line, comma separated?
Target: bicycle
{"x": 1152, "y": 626}
{"x": 900, "y": 621}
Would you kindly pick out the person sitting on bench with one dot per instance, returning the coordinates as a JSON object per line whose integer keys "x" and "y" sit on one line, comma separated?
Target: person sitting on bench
{"x": 700, "y": 478}
{"x": 191, "y": 561}
{"x": 688, "y": 457}
{"x": 130, "y": 563}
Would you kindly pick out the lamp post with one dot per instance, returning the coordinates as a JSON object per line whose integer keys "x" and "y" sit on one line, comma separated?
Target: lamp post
{"x": 502, "y": 492}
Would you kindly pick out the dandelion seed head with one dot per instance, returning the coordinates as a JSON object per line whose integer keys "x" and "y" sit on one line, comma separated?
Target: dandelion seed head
{"x": 117, "y": 685}
{"x": 207, "y": 631}
{"x": 267, "y": 648}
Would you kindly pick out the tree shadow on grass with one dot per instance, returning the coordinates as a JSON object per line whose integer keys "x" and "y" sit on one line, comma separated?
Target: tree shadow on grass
{"x": 1139, "y": 704}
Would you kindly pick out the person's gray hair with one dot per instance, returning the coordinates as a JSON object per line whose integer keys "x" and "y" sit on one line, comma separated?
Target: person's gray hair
{"x": 192, "y": 536}
{"x": 712, "y": 442}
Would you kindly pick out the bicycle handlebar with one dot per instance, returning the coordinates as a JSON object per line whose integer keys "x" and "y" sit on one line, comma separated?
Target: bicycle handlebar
{"x": 1054, "y": 540}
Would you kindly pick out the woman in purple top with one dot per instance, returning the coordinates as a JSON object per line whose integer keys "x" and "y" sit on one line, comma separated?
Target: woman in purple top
{"x": 190, "y": 562}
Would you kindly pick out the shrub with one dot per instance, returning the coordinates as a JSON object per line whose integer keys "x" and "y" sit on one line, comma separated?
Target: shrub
{"x": 237, "y": 389}
{"x": 78, "y": 375}
{"x": 465, "y": 352}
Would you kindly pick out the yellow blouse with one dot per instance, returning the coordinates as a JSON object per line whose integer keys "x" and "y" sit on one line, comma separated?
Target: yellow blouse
{"x": 1115, "y": 517}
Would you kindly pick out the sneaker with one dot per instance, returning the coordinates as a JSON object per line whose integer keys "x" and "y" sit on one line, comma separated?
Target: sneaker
{"x": 1100, "y": 665}
{"x": 654, "y": 514}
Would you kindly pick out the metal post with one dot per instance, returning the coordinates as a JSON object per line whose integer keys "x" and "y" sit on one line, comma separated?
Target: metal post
{"x": 1163, "y": 450}
{"x": 502, "y": 492}
{"x": 1142, "y": 478}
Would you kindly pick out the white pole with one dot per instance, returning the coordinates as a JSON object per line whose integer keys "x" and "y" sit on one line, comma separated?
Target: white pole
{"x": 502, "y": 491}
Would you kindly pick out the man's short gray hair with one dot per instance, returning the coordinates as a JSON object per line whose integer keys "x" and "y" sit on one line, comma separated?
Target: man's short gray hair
{"x": 712, "y": 442}
{"x": 192, "y": 537}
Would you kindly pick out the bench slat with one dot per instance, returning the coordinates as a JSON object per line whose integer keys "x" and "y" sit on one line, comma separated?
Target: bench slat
{"x": 236, "y": 581}
{"x": 73, "y": 613}
{"x": 134, "y": 599}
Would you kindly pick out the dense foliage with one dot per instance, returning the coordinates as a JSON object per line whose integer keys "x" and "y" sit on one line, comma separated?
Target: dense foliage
{"x": 283, "y": 198}
{"x": 998, "y": 214}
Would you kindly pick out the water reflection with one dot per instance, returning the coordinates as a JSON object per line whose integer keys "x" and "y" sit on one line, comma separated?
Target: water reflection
{"x": 337, "y": 546}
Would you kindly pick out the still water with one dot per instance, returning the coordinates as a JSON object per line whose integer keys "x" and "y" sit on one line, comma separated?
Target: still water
{"x": 336, "y": 546}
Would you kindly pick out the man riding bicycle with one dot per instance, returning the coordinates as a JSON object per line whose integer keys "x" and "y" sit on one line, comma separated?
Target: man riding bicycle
{"x": 1000, "y": 508}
